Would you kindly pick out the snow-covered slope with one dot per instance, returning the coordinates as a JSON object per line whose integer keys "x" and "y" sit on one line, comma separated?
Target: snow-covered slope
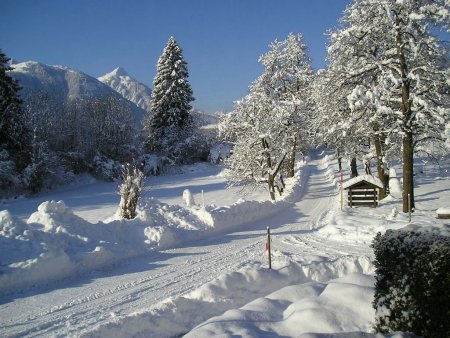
{"x": 64, "y": 84}
{"x": 128, "y": 87}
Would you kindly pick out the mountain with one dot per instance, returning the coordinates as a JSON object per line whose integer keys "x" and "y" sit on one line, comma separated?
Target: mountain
{"x": 64, "y": 84}
{"x": 128, "y": 87}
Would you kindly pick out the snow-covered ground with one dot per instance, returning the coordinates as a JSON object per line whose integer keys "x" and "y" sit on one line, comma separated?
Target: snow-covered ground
{"x": 204, "y": 271}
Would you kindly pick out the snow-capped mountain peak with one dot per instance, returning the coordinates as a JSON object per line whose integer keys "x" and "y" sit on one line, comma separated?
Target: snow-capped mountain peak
{"x": 64, "y": 84}
{"x": 131, "y": 89}
{"x": 119, "y": 71}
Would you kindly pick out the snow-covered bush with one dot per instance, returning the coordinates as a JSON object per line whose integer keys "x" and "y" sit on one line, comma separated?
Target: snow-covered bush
{"x": 412, "y": 282}
{"x": 7, "y": 173}
{"x": 220, "y": 152}
{"x": 191, "y": 147}
{"x": 152, "y": 164}
{"x": 130, "y": 190}
{"x": 106, "y": 168}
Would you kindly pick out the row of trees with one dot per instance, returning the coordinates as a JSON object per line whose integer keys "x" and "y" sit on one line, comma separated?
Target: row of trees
{"x": 387, "y": 82}
{"x": 44, "y": 138}
{"x": 384, "y": 93}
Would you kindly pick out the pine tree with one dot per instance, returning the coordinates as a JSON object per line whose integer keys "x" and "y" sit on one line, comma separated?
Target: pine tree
{"x": 170, "y": 117}
{"x": 14, "y": 135}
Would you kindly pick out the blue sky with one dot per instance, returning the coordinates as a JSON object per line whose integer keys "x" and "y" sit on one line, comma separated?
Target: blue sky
{"x": 221, "y": 39}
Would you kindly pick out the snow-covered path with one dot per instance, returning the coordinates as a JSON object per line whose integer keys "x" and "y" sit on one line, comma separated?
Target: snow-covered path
{"x": 140, "y": 283}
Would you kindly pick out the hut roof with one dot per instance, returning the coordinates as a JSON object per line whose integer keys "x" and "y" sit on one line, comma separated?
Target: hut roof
{"x": 367, "y": 178}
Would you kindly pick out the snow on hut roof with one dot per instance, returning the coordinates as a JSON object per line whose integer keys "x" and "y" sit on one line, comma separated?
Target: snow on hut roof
{"x": 368, "y": 178}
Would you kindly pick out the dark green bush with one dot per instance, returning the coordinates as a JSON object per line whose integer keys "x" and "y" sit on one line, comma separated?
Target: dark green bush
{"x": 412, "y": 289}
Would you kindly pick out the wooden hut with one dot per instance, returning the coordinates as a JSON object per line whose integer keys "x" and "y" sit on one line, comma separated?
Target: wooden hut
{"x": 363, "y": 191}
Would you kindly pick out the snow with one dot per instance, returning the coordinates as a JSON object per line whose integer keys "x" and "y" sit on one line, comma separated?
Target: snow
{"x": 65, "y": 83}
{"x": 249, "y": 285}
{"x": 338, "y": 306}
{"x": 200, "y": 271}
{"x": 368, "y": 178}
{"x": 395, "y": 186}
{"x": 60, "y": 244}
{"x": 443, "y": 210}
{"x": 131, "y": 89}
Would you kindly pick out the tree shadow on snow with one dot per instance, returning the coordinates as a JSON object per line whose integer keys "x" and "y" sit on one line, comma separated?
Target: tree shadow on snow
{"x": 143, "y": 263}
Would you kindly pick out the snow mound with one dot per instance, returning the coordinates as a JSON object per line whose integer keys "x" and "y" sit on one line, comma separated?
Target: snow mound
{"x": 341, "y": 306}
{"x": 243, "y": 212}
{"x": 177, "y": 316}
{"x": 395, "y": 187}
{"x": 55, "y": 243}
{"x": 443, "y": 210}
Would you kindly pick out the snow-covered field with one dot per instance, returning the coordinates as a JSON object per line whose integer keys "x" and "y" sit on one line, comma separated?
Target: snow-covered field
{"x": 73, "y": 269}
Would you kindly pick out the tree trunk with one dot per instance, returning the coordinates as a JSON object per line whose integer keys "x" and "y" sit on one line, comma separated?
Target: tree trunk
{"x": 353, "y": 168}
{"x": 380, "y": 166}
{"x": 271, "y": 183}
{"x": 408, "y": 172}
{"x": 408, "y": 156}
{"x": 291, "y": 162}
{"x": 367, "y": 167}
{"x": 339, "y": 158}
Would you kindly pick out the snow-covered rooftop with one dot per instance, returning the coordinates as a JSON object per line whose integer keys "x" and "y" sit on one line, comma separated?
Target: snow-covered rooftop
{"x": 368, "y": 178}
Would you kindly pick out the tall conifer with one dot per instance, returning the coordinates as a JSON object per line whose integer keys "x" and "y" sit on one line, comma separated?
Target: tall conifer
{"x": 172, "y": 94}
{"x": 14, "y": 135}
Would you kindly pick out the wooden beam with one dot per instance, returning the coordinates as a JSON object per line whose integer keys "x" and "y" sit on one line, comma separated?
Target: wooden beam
{"x": 366, "y": 193}
{"x": 362, "y": 198}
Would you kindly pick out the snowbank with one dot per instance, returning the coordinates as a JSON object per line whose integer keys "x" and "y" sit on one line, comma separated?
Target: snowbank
{"x": 341, "y": 306}
{"x": 54, "y": 243}
{"x": 179, "y": 315}
{"x": 243, "y": 212}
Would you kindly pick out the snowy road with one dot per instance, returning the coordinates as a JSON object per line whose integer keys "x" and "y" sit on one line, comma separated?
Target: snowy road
{"x": 140, "y": 283}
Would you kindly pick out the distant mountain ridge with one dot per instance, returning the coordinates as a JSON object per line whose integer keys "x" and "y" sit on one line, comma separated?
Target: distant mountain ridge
{"x": 65, "y": 84}
{"x": 131, "y": 89}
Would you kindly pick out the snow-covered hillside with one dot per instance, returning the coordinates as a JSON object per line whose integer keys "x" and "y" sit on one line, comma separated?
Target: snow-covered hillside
{"x": 129, "y": 88}
{"x": 64, "y": 84}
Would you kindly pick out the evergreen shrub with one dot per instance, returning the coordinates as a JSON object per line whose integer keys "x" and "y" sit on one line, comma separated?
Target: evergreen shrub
{"x": 412, "y": 282}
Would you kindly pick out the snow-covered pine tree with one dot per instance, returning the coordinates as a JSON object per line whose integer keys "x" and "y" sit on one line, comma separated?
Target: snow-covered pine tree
{"x": 14, "y": 135}
{"x": 169, "y": 120}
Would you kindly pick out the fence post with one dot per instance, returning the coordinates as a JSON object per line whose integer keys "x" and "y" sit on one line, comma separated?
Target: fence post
{"x": 268, "y": 248}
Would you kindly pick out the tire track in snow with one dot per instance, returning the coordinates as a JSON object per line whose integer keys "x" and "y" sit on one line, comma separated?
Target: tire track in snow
{"x": 172, "y": 273}
{"x": 172, "y": 280}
